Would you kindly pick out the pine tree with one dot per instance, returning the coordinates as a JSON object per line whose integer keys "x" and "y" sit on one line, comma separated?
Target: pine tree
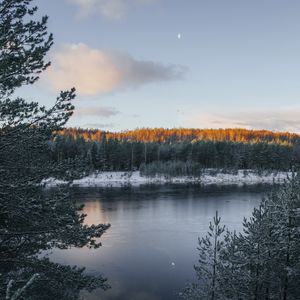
{"x": 260, "y": 263}
{"x": 30, "y": 219}
{"x": 208, "y": 268}
{"x": 284, "y": 207}
{"x": 230, "y": 267}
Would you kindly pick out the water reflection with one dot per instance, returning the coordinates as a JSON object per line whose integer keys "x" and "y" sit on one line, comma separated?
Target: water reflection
{"x": 150, "y": 250}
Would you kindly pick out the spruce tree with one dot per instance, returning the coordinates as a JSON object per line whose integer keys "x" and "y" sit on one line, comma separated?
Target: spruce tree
{"x": 32, "y": 220}
{"x": 263, "y": 261}
{"x": 208, "y": 267}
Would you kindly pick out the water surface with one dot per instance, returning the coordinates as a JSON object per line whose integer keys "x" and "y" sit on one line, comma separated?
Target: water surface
{"x": 150, "y": 250}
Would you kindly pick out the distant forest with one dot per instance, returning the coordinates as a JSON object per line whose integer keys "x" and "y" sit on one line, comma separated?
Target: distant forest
{"x": 178, "y": 151}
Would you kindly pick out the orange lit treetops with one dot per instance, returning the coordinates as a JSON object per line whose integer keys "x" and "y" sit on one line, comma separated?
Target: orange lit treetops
{"x": 163, "y": 135}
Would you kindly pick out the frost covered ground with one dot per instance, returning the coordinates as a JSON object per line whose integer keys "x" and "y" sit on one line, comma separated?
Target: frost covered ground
{"x": 208, "y": 177}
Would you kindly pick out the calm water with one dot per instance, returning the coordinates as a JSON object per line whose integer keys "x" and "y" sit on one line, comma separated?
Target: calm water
{"x": 150, "y": 250}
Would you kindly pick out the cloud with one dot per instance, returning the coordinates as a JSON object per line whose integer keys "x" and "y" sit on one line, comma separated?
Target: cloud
{"x": 104, "y": 112}
{"x": 94, "y": 71}
{"x": 286, "y": 119}
{"x": 110, "y": 9}
{"x": 99, "y": 125}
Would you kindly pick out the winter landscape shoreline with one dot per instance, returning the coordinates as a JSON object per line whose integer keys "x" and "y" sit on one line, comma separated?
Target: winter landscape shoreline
{"x": 208, "y": 177}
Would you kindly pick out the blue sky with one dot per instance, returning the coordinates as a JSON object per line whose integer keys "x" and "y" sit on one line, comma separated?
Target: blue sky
{"x": 236, "y": 64}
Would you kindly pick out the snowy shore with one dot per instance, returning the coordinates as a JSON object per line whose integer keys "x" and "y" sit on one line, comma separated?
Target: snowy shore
{"x": 208, "y": 177}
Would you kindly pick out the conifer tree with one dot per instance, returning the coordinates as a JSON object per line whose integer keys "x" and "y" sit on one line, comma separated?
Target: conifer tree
{"x": 263, "y": 261}
{"x": 30, "y": 219}
{"x": 208, "y": 268}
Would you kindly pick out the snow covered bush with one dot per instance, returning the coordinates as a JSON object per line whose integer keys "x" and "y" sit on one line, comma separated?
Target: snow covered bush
{"x": 262, "y": 262}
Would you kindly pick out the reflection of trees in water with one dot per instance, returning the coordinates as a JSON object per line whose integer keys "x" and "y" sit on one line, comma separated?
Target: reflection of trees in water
{"x": 32, "y": 221}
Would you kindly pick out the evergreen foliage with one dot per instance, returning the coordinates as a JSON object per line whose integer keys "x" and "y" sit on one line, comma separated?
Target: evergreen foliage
{"x": 175, "y": 135}
{"x": 112, "y": 154}
{"x": 32, "y": 220}
{"x": 171, "y": 169}
{"x": 260, "y": 263}
{"x": 208, "y": 267}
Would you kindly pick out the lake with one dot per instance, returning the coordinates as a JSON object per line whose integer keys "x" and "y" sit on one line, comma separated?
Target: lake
{"x": 150, "y": 249}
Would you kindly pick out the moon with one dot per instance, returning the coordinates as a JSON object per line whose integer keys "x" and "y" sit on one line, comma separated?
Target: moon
{"x": 179, "y": 36}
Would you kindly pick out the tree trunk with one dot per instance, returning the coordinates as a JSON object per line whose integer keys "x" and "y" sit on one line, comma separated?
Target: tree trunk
{"x": 286, "y": 280}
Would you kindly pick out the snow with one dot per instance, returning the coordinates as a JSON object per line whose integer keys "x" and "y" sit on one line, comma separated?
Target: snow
{"x": 208, "y": 177}
{"x": 49, "y": 182}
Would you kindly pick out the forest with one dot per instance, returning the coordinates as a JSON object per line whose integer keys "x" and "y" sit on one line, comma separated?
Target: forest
{"x": 178, "y": 151}
{"x": 261, "y": 262}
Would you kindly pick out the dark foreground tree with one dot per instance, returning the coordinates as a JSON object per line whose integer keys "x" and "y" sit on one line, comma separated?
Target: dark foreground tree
{"x": 33, "y": 220}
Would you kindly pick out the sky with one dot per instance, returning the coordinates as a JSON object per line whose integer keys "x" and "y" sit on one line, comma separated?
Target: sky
{"x": 171, "y": 63}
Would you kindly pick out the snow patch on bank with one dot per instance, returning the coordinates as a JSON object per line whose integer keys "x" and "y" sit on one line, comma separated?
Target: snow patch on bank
{"x": 208, "y": 177}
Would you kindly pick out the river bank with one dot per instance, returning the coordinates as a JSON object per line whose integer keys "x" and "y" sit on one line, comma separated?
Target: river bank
{"x": 208, "y": 177}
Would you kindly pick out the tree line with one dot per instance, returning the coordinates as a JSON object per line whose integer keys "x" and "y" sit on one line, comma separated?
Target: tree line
{"x": 171, "y": 135}
{"x": 110, "y": 153}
